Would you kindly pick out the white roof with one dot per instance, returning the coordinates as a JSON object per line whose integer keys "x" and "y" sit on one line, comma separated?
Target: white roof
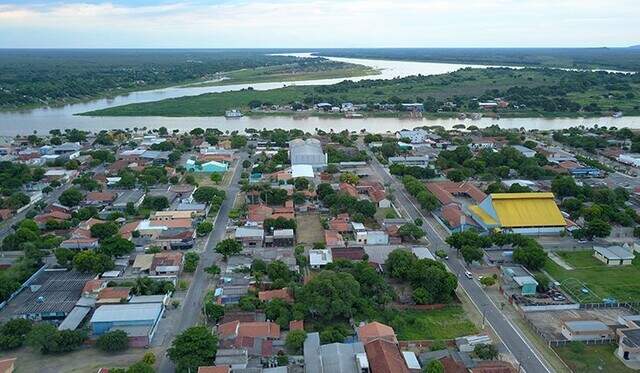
{"x": 422, "y": 253}
{"x": 320, "y": 257}
{"x": 301, "y": 170}
{"x": 357, "y": 226}
{"x": 242, "y": 232}
{"x": 283, "y": 233}
{"x": 524, "y": 280}
{"x": 127, "y": 312}
{"x": 146, "y": 225}
{"x": 111, "y": 274}
{"x": 411, "y": 360}
{"x": 615, "y": 252}
{"x": 137, "y": 151}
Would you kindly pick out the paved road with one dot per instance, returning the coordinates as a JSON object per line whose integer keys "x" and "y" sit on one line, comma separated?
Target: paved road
{"x": 511, "y": 338}
{"x": 190, "y": 313}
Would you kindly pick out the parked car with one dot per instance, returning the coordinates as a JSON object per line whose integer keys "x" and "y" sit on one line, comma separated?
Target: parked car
{"x": 468, "y": 274}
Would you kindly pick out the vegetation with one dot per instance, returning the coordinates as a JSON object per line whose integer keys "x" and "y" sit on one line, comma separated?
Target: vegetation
{"x": 592, "y": 359}
{"x": 191, "y": 260}
{"x": 228, "y": 247}
{"x": 13, "y": 333}
{"x": 47, "y": 339}
{"x": 113, "y": 341}
{"x": 194, "y": 347}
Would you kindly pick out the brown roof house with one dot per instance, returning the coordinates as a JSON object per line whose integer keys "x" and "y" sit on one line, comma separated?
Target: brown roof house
{"x": 113, "y": 295}
{"x": 375, "y": 330}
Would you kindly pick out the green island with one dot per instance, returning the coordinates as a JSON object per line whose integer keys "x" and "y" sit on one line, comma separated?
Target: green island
{"x": 529, "y": 92}
{"x": 305, "y": 69}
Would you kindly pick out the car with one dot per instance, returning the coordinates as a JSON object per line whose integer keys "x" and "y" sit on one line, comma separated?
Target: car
{"x": 468, "y": 274}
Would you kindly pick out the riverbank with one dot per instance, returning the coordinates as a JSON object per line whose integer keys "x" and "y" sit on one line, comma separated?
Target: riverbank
{"x": 527, "y": 93}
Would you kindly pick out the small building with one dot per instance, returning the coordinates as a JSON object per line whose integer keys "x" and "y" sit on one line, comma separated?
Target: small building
{"x": 629, "y": 345}
{"x": 586, "y": 330}
{"x": 632, "y": 159}
{"x": 207, "y": 167}
{"x": 519, "y": 277}
{"x": 419, "y": 161}
{"x": 529, "y": 153}
{"x": 613, "y": 255}
{"x": 284, "y": 237}
{"x": 133, "y": 197}
{"x": 250, "y": 236}
{"x": 138, "y": 320}
{"x": 333, "y": 357}
{"x": 113, "y": 295}
{"x": 375, "y": 330}
{"x": 319, "y": 258}
{"x": 236, "y": 358}
{"x": 372, "y": 238}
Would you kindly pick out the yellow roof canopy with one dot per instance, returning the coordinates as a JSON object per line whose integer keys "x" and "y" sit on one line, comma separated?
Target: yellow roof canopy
{"x": 527, "y": 210}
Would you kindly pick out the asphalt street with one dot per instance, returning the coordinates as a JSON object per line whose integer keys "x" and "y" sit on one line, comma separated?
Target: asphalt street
{"x": 190, "y": 313}
{"x": 511, "y": 338}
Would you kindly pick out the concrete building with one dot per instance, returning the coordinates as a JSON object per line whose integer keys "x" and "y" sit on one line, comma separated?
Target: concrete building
{"x": 307, "y": 152}
{"x": 613, "y": 255}
{"x": 586, "y": 330}
{"x": 632, "y": 159}
{"x": 250, "y": 236}
{"x": 319, "y": 258}
{"x": 529, "y": 153}
{"x": 524, "y": 213}
{"x": 518, "y": 277}
{"x": 419, "y": 161}
{"x": 629, "y": 346}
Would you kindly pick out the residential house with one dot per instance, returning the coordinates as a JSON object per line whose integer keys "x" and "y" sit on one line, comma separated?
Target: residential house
{"x": 99, "y": 198}
{"x": 333, "y": 357}
{"x": 385, "y": 357}
{"x": 586, "y": 330}
{"x": 375, "y": 330}
{"x": 333, "y": 239}
{"x": 250, "y": 236}
{"x": 418, "y": 160}
{"x": 113, "y": 295}
{"x": 166, "y": 263}
{"x": 319, "y": 258}
{"x": 269, "y": 295}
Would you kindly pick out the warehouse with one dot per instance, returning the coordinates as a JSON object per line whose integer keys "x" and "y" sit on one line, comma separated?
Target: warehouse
{"x": 138, "y": 320}
{"x": 307, "y": 152}
{"x": 524, "y": 213}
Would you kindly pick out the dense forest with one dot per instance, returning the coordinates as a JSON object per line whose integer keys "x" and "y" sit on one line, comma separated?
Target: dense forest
{"x": 626, "y": 59}
{"x": 45, "y": 77}
{"x": 530, "y": 92}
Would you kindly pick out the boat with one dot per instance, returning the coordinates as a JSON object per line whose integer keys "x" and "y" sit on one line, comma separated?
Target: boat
{"x": 351, "y": 115}
{"x": 476, "y": 116}
{"x": 233, "y": 113}
{"x": 617, "y": 114}
{"x": 462, "y": 116}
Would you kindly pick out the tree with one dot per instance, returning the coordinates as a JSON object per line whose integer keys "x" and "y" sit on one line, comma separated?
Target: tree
{"x": 399, "y": 263}
{"x": 486, "y": 351}
{"x": 216, "y": 177}
{"x": 194, "y": 347}
{"x": 47, "y": 339}
{"x": 471, "y": 253}
{"x": 191, "y": 260}
{"x": 349, "y": 178}
{"x": 434, "y": 366}
{"x": 531, "y": 256}
{"x": 71, "y": 197}
{"x": 206, "y": 194}
{"x": 295, "y": 340}
{"x": 238, "y": 141}
{"x": 278, "y": 270}
{"x": 113, "y": 341}
{"x": 204, "y": 228}
{"x": 64, "y": 256}
{"x": 214, "y": 311}
{"x": 104, "y": 230}
{"x": 91, "y": 261}
{"x": 228, "y": 247}
{"x": 13, "y": 333}
{"x": 488, "y": 281}
{"x": 421, "y": 296}
{"x": 410, "y": 231}
{"x": 468, "y": 238}
{"x": 116, "y": 246}
{"x": 331, "y": 295}
{"x": 564, "y": 186}
{"x": 597, "y": 228}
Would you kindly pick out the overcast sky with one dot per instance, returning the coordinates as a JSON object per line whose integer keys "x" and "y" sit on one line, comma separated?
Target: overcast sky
{"x": 318, "y": 23}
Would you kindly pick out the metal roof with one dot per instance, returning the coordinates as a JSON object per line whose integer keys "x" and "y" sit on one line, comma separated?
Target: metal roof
{"x": 527, "y": 210}
{"x": 244, "y": 232}
{"x": 127, "y": 312}
{"x": 615, "y": 252}
{"x": 586, "y": 325}
{"x": 74, "y": 318}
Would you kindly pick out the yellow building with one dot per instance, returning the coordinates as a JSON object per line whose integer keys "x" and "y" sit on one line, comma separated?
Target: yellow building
{"x": 525, "y": 213}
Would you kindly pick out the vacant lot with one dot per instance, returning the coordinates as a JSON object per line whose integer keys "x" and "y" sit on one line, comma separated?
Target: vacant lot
{"x": 309, "y": 229}
{"x": 620, "y": 283}
{"x": 592, "y": 359}
{"x": 447, "y": 323}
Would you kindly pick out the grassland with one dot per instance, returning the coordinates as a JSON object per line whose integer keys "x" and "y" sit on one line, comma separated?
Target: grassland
{"x": 309, "y": 229}
{"x": 593, "y": 359}
{"x": 538, "y": 93}
{"x": 619, "y": 283}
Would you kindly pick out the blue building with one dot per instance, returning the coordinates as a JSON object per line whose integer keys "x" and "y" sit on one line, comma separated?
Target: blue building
{"x": 138, "y": 320}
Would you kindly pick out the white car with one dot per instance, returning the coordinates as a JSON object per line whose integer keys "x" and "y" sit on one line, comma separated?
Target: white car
{"x": 468, "y": 274}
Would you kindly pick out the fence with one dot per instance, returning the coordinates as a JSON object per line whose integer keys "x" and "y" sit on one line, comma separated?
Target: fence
{"x": 559, "y": 343}
{"x": 633, "y": 306}
{"x": 422, "y": 307}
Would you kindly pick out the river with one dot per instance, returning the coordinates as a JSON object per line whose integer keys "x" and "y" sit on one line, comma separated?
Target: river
{"x": 44, "y": 119}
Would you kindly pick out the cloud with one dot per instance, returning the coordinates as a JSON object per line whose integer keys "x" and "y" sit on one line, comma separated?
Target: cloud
{"x": 320, "y": 23}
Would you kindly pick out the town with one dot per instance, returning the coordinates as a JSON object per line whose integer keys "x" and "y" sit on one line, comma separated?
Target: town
{"x": 462, "y": 250}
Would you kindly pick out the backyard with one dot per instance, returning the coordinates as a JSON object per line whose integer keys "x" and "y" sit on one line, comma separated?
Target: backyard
{"x": 593, "y": 281}
{"x": 592, "y": 358}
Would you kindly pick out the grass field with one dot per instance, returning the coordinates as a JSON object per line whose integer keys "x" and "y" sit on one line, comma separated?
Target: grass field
{"x": 381, "y": 213}
{"x": 594, "y": 359}
{"x": 620, "y": 283}
{"x": 466, "y": 84}
{"x": 309, "y": 229}
{"x": 447, "y": 323}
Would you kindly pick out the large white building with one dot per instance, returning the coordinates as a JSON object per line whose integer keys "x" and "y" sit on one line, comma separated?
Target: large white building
{"x": 632, "y": 159}
{"x": 307, "y": 152}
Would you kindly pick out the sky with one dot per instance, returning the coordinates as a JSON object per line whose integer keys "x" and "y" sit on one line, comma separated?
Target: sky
{"x": 318, "y": 23}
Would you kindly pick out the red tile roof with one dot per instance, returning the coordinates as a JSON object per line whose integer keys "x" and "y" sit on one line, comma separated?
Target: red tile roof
{"x": 349, "y": 189}
{"x": 347, "y": 253}
{"x": 269, "y": 295}
{"x": 100, "y": 196}
{"x": 296, "y": 325}
{"x": 217, "y": 369}
{"x": 53, "y": 215}
{"x": 258, "y": 213}
{"x": 92, "y": 285}
{"x": 445, "y": 190}
{"x": 249, "y": 329}
{"x": 333, "y": 238}
{"x": 375, "y": 330}
{"x": 495, "y": 366}
{"x": 385, "y": 357}
{"x": 341, "y": 223}
{"x": 452, "y": 366}
{"x": 114, "y": 293}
